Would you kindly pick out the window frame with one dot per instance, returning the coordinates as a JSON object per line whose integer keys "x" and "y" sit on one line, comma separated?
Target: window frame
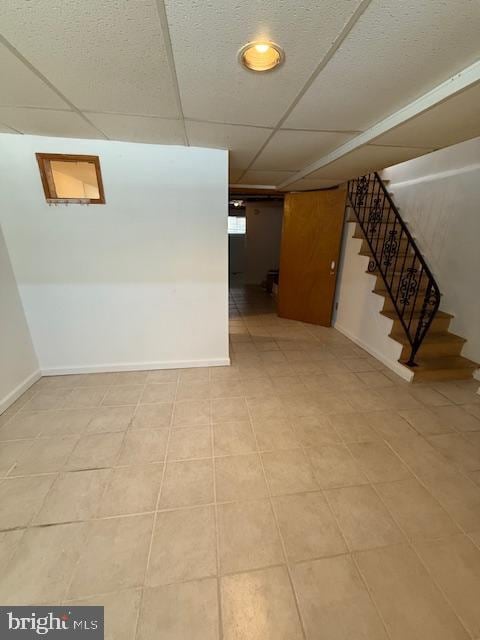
{"x": 48, "y": 183}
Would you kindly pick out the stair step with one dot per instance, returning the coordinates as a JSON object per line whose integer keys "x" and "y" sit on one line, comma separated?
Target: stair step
{"x": 395, "y": 282}
{"x": 379, "y": 236}
{"x": 434, "y": 338}
{"x": 386, "y": 219}
{"x": 439, "y": 324}
{"x": 383, "y": 291}
{"x": 433, "y": 345}
{"x": 376, "y": 193}
{"x": 443, "y": 368}
{"x": 396, "y": 274}
{"x": 416, "y": 299}
{"x": 402, "y": 249}
{"x": 360, "y": 235}
{"x": 366, "y": 252}
{"x": 440, "y": 315}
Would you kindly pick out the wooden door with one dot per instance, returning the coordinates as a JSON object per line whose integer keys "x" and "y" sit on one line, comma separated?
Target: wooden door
{"x": 311, "y": 239}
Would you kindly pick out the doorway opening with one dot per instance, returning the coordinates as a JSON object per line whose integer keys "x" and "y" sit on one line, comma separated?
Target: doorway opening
{"x": 254, "y": 239}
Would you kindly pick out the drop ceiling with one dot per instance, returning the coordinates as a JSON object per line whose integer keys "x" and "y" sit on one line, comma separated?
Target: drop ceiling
{"x": 167, "y": 73}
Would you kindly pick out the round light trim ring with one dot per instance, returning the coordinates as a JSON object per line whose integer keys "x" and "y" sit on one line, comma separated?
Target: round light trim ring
{"x": 261, "y": 56}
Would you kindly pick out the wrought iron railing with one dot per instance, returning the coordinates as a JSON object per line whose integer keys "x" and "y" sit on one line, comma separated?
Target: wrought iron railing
{"x": 395, "y": 256}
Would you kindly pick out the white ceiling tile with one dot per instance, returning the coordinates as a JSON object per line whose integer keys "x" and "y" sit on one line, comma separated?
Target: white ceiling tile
{"x": 43, "y": 122}
{"x": 307, "y": 184}
{"x": 366, "y": 159}
{"x": 139, "y": 128}
{"x": 103, "y": 55}
{"x": 396, "y": 52}
{"x": 20, "y": 86}
{"x": 242, "y": 142}
{"x": 293, "y": 150}
{"x": 206, "y": 37}
{"x": 271, "y": 178}
{"x": 452, "y": 121}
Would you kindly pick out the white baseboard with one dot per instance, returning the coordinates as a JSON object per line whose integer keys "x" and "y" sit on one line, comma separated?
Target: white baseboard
{"x": 10, "y": 398}
{"x": 394, "y": 365}
{"x": 136, "y": 366}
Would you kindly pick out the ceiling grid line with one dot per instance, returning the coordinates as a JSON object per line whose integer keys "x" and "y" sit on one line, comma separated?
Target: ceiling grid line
{"x": 9, "y": 126}
{"x": 399, "y": 146}
{"x": 352, "y": 21}
{"x": 157, "y": 117}
{"x": 49, "y": 84}
{"x": 162, "y": 15}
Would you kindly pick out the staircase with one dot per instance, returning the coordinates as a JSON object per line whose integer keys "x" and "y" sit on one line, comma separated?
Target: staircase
{"x": 411, "y": 294}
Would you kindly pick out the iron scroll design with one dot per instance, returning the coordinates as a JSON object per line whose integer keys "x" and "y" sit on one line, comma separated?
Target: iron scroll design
{"x": 395, "y": 256}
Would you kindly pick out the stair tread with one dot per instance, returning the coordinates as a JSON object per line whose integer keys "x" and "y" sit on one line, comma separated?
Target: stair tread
{"x": 396, "y": 274}
{"x": 431, "y": 338}
{"x": 368, "y": 253}
{"x": 443, "y": 362}
{"x": 416, "y": 314}
{"x": 359, "y": 235}
{"x": 384, "y": 291}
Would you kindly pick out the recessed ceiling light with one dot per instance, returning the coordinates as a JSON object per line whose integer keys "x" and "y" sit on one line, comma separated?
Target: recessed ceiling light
{"x": 261, "y": 56}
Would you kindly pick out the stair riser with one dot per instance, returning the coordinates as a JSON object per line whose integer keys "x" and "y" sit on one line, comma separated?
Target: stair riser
{"x": 402, "y": 250}
{"x": 439, "y": 325}
{"x": 389, "y": 306}
{"x": 442, "y": 374}
{"x": 385, "y": 219}
{"x": 380, "y": 238}
{"x": 367, "y": 253}
{"x": 434, "y": 349}
{"x": 375, "y": 193}
{"x": 396, "y": 283}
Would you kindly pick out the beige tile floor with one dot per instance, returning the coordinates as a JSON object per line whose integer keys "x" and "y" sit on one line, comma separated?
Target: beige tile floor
{"x": 303, "y": 492}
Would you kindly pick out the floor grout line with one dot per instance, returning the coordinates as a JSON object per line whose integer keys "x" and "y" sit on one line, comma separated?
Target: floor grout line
{"x": 217, "y": 528}
{"x": 87, "y": 533}
{"x": 340, "y": 530}
{"x": 411, "y": 545}
{"x": 279, "y": 533}
{"x": 155, "y": 517}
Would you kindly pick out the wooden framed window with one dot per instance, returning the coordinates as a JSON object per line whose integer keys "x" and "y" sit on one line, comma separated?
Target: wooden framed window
{"x": 71, "y": 178}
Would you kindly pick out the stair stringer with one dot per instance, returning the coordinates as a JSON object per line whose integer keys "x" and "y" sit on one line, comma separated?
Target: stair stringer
{"x": 357, "y": 308}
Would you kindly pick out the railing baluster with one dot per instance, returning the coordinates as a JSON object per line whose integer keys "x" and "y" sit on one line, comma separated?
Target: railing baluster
{"x": 391, "y": 248}
{"x": 403, "y": 265}
{"x": 419, "y": 286}
{"x": 378, "y": 215}
{"x": 387, "y": 223}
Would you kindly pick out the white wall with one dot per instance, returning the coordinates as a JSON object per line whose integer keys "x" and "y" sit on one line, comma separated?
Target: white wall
{"x": 439, "y": 197}
{"x": 264, "y": 233}
{"x": 140, "y": 282}
{"x": 18, "y": 361}
{"x": 357, "y": 308}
